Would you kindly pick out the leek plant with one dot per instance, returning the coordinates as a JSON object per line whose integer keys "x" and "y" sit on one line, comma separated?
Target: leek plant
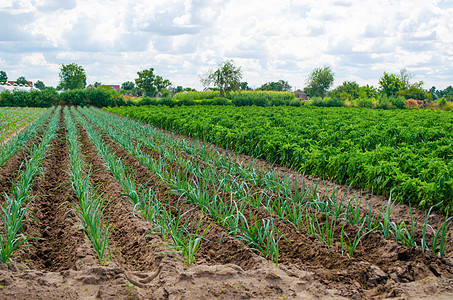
{"x": 352, "y": 243}
{"x": 262, "y": 233}
{"x": 183, "y": 241}
{"x": 8, "y": 150}
{"x": 15, "y": 209}
{"x": 90, "y": 210}
{"x": 333, "y": 204}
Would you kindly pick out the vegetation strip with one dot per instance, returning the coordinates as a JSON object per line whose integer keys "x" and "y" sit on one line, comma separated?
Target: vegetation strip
{"x": 296, "y": 205}
{"x": 157, "y": 213}
{"x": 15, "y": 210}
{"x": 9, "y": 149}
{"x": 187, "y": 214}
{"x": 90, "y": 209}
{"x": 13, "y": 119}
{"x": 349, "y": 242}
{"x": 377, "y": 151}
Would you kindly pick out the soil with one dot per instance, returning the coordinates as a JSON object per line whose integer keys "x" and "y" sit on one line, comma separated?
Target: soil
{"x": 61, "y": 264}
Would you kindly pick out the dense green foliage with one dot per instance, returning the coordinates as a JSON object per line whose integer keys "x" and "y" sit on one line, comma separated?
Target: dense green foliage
{"x": 72, "y": 76}
{"x": 150, "y": 83}
{"x": 279, "y": 86}
{"x": 97, "y": 97}
{"x": 44, "y": 98}
{"x": 48, "y": 97}
{"x": 3, "y": 77}
{"x": 407, "y": 153}
{"x": 319, "y": 82}
{"x": 227, "y": 77}
{"x": 238, "y": 98}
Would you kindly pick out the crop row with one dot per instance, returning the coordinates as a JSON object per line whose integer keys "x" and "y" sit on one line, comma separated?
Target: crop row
{"x": 13, "y": 119}
{"x": 319, "y": 216}
{"x": 90, "y": 207}
{"x": 14, "y": 211}
{"x": 405, "y": 153}
{"x": 11, "y": 147}
{"x": 250, "y": 203}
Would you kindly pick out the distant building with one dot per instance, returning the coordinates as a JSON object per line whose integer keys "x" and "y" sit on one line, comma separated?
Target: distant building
{"x": 116, "y": 87}
{"x": 14, "y": 83}
{"x": 300, "y": 95}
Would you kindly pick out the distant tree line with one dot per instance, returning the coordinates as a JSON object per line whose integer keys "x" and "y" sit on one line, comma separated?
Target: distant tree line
{"x": 227, "y": 78}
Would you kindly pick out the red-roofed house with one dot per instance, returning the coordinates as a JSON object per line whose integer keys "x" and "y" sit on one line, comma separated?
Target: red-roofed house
{"x": 116, "y": 87}
{"x": 29, "y": 83}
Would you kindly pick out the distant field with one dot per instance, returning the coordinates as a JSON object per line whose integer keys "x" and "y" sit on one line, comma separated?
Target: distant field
{"x": 13, "y": 119}
{"x": 406, "y": 153}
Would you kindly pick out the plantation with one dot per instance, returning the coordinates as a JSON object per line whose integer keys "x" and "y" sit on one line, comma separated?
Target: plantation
{"x": 407, "y": 154}
{"x": 14, "y": 119}
{"x": 96, "y": 205}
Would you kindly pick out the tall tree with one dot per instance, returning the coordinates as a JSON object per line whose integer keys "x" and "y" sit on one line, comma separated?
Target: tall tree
{"x": 127, "y": 86}
{"x": 39, "y": 85}
{"x": 319, "y": 82}
{"x": 150, "y": 83}
{"x": 245, "y": 86}
{"x": 279, "y": 86}
{"x": 227, "y": 77}
{"x": 390, "y": 84}
{"x": 161, "y": 83}
{"x": 72, "y": 76}
{"x": 348, "y": 90}
{"x": 405, "y": 77}
{"x": 3, "y": 77}
{"x": 21, "y": 80}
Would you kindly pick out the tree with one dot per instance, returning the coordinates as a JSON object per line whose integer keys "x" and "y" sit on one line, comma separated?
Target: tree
{"x": 149, "y": 83}
{"x": 3, "y": 77}
{"x": 97, "y": 84}
{"x": 245, "y": 86}
{"x": 227, "y": 77}
{"x": 39, "y": 85}
{"x": 319, "y": 81}
{"x": 390, "y": 84}
{"x": 415, "y": 91}
{"x": 178, "y": 89}
{"x": 72, "y": 76}
{"x": 161, "y": 83}
{"x": 127, "y": 86}
{"x": 447, "y": 92}
{"x": 21, "y": 80}
{"x": 368, "y": 91}
{"x": 279, "y": 86}
{"x": 405, "y": 77}
{"x": 349, "y": 90}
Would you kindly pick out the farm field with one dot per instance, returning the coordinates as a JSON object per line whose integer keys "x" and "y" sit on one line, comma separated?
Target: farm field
{"x": 113, "y": 208}
{"x": 405, "y": 153}
{"x": 13, "y": 119}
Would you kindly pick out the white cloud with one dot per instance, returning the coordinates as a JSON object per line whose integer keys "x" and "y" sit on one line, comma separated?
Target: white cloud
{"x": 270, "y": 39}
{"x": 34, "y": 59}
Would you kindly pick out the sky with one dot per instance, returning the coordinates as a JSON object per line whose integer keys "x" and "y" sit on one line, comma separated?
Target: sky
{"x": 270, "y": 40}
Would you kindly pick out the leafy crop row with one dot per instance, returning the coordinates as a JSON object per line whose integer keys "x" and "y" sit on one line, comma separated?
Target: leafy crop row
{"x": 406, "y": 153}
{"x": 319, "y": 216}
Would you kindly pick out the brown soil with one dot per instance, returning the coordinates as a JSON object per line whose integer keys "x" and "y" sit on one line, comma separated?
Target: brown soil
{"x": 61, "y": 263}
{"x": 400, "y": 212}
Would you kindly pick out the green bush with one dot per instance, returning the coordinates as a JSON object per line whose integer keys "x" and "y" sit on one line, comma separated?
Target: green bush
{"x": 45, "y": 98}
{"x": 365, "y": 102}
{"x": 327, "y": 102}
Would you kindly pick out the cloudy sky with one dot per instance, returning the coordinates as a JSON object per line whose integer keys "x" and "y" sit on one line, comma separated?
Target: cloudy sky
{"x": 269, "y": 39}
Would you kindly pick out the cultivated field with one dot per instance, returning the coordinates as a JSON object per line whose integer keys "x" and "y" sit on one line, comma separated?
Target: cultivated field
{"x": 100, "y": 206}
{"x": 15, "y": 119}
